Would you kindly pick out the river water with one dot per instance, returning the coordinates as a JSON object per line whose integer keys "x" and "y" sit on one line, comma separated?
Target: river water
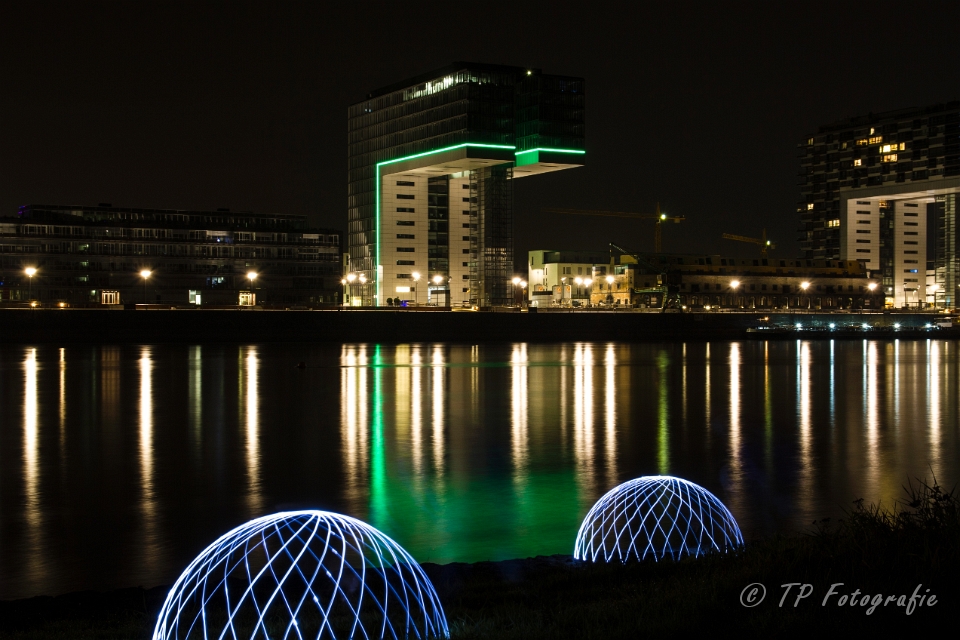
{"x": 119, "y": 464}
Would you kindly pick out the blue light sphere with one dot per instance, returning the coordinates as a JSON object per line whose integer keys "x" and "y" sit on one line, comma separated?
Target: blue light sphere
{"x": 656, "y": 517}
{"x": 302, "y": 574}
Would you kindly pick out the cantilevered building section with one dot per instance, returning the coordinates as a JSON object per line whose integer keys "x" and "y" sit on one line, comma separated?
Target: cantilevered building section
{"x": 882, "y": 188}
{"x": 431, "y": 166}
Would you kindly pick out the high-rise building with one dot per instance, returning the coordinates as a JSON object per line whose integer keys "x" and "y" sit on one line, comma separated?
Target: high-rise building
{"x": 432, "y": 161}
{"x": 882, "y": 188}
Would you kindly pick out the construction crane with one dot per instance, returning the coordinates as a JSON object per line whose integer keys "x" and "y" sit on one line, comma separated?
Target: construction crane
{"x": 762, "y": 241}
{"x": 668, "y": 283}
{"x": 659, "y": 217}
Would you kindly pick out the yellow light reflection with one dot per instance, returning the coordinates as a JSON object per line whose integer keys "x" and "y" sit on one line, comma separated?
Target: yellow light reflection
{"x": 583, "y": 416}
{"x": 805, "y": 463}
{"x": 31, "y": 471}
{"x": 872, "y": 412}
{"x": 610, "y": 414}
{"x": 63, "y": 403}
{"x": 663, "y": 414}
{"x": 353, "y": 423}
{"x": 437, "y": 387}
{"x": 519, "y": 433}
{"x": 252, "y": 415}
{"x": 734, "y": 432}
{"x": 148, "y": 500}
{"x": 767, "y": 409}
{"x": 933, "y": 399}
{"x": 416, "y": 410}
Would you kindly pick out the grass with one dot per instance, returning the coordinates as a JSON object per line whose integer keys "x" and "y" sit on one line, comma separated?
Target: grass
{"x": 875, "y": 549}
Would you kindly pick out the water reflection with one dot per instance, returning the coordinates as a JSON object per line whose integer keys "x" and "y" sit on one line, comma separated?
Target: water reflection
{"x": 610, "y": 413}
{"x": 439, "y": 396}
{"x": 148, "y": 499}
{"x": 583, "y": 416}
{"x": 933, "y": 401}
{"x": 805, "y": 408}
{"x": 461, "y": 453}
{"x": 736, "y": 471}
{"x": 195, "y": 398}
{"x": 871, "y": 402}
{"x": 518, "y": 408}
{"x": 252, "y": 422}
{"x": 33, "y": 513}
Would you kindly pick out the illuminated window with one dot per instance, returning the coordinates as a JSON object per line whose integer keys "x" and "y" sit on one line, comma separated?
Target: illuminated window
{"x": 862, "y": 142}
{"x": 809, "y": 140}
{"x": 833, "y": 223}
{"x": 858, "y": 162}
{"x": 876, "y": 139}
{"x": 889, "y": 158}
{"x": 810, "y": 207}
{"x": 903, "y": 145}
{"x": 872, "y": 130}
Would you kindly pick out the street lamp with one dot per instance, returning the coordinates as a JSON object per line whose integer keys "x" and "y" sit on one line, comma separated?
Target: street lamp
{"x": 515, "y": 282}
{"x": 251, "y": 275}
{"x": 343, "y": 291}
{"x": 587, "y": 282}
{"x": 416, "y": 288}
{"x": 145, "y": 274}
{"x": 579, "y": 282}
{"x": 30, "y": 271}
{"x": 350, "y": 278}
{"x": 805, "y": 286}
{"x": 437, "y": 281}
{"x": 523, "y": 292}
{"x": 363, "y": 289}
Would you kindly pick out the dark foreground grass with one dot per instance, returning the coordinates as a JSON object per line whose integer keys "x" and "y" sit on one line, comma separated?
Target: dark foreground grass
{"x": 874, "y": 550}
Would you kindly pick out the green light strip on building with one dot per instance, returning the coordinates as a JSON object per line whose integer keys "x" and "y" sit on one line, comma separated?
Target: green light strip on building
{"x": 418, "y": 155}
{"x": 520, "y": 153}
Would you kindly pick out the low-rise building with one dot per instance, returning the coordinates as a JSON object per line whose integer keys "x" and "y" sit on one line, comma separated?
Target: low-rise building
{"x": 706, "y": 282}
{"x": 105, "y": 255}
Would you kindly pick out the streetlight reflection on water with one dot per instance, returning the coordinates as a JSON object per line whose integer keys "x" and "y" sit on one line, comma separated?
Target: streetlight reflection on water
{"x": 459, "y": 452}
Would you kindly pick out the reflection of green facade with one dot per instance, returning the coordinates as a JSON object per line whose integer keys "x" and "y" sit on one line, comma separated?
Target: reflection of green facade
{"x": 452, "y": 511}
{"x": 479, "y": 124}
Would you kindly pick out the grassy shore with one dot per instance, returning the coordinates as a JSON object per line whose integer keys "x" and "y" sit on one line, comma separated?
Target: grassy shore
{"x": 876, "y": 550}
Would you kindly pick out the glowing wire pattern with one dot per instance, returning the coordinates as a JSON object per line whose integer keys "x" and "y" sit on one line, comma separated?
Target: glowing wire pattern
{"x": 302, "y": 574}
{"x": 658, "y": 517}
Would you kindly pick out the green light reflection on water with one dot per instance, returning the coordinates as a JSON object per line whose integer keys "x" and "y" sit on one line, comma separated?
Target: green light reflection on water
{"x": 450, "y": 510}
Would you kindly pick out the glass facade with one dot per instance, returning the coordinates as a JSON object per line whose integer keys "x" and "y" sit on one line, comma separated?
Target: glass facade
{"x": 488, "y": 107}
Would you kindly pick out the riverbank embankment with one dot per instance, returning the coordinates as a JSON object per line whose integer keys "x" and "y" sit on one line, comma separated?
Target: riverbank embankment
{"x": 877, "y": 571}
{"x": 61, "y": 326}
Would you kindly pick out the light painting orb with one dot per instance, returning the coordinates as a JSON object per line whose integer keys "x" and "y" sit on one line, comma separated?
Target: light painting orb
{"x": 302, "y": 574}
{"x": 656, "y": 517}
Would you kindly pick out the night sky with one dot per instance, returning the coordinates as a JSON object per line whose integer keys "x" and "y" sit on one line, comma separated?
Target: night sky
{"x": 201, "y": 105}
